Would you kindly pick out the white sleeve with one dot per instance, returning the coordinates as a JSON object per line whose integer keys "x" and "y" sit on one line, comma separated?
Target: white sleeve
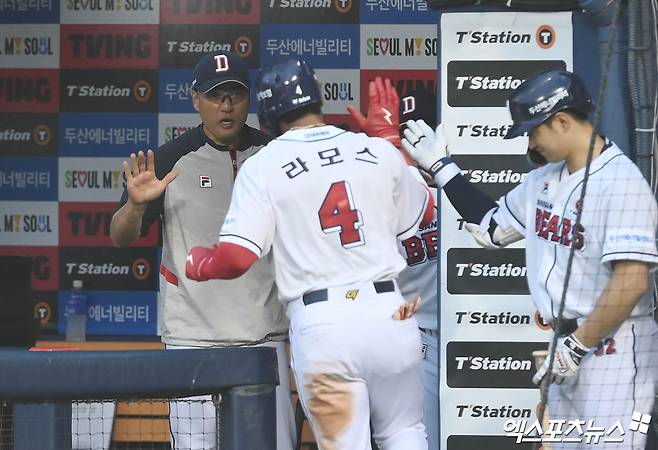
{"x": 250, "y": 219}
{"x": 512, "y": 207}
{"x": 410, "y": 197}
{"x": 631, "y": 221}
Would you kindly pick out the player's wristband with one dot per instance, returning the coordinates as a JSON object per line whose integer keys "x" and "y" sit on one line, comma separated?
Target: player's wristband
{"x": 576, "y": 347}
{"x": 444, "y": 170}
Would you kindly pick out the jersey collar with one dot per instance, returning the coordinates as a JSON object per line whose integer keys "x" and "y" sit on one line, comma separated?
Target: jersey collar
{"x": 311, "y": 134}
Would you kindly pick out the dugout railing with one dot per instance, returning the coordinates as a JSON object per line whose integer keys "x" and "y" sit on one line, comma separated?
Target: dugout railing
{"x": 37, "y": 390}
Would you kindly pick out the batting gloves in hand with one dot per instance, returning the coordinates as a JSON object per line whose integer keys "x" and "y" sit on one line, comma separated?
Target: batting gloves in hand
{"x": 430, "y": 149}
{"x": 383, "y": 112}
{"x": 197, "y": 258}
{"x": 568, "y": 355}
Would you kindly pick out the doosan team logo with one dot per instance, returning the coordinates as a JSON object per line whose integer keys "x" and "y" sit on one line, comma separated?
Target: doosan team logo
{"x": 544, "y": 37}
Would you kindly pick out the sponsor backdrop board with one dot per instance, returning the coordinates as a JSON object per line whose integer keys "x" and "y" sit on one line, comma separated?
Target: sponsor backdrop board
{"x": 489, "y": 326}
{"x": 85, "y": 83}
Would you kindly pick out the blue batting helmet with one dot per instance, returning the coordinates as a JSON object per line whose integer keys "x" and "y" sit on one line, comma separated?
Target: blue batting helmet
{"x": 539, "y": 97}
{"x": 284, "y": 87}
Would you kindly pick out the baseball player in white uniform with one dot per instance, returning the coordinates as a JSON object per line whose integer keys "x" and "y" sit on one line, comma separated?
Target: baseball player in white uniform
{"x": 330, "y": 205}
{"x": 419, "y": 278}
{"x": 604, "y": 367}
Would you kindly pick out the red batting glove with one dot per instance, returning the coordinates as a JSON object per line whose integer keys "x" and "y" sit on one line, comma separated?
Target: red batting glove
{"x": 197, "y": 258}
{"x": 383, "y": 112}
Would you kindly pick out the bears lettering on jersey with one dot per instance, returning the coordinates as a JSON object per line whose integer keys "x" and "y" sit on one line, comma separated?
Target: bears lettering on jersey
{"x": 554, "y": 228}
{"x": 420, "y": 249}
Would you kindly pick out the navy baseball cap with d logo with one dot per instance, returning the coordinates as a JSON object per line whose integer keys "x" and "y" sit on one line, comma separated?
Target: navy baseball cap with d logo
{"x": 221, "y": 67}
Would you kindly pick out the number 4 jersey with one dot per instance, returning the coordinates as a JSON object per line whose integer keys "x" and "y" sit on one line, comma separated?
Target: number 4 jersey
{"x": 331, "y": 204}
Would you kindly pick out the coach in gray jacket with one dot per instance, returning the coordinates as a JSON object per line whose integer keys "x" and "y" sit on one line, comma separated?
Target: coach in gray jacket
{"x": 188, "y": 184}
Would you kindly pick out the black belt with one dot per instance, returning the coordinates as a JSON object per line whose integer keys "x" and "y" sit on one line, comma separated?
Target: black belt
{"x": 322, "y": 295}
{"x": 564, "y": 327}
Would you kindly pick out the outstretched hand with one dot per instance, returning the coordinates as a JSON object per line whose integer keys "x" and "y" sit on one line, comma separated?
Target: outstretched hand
{"x": 428, "y": 147}
{"x": 142, "y": 184}
{"x": 383, "y": 112}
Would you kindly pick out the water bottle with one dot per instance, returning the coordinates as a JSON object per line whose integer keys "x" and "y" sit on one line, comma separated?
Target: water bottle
{"x": 76, "y": 313}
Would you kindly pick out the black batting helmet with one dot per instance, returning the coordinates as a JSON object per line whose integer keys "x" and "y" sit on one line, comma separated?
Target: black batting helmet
{"x": 539, "y": 97}
{"x": 284, "y": 87}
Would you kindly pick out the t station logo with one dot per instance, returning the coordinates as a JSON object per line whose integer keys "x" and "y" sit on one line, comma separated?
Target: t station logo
{"x": 491, "y": 365}
{"x": 111, "y": 47}
{"x": 544, "y": 37}
{"x": 181, "y": 49}
{"x": 495, "y": 175}
{"x": 310, "y": 11}
{"x": 28, "y": 134}
{"x": 480, "y": 271}
{"x": 490, "y": 83}
{"x": 108, "y": 268}
{"x": 104, "y": 91}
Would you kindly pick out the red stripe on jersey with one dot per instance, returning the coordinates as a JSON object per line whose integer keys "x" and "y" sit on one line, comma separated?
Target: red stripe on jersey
{"x": 169, "y": 275}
